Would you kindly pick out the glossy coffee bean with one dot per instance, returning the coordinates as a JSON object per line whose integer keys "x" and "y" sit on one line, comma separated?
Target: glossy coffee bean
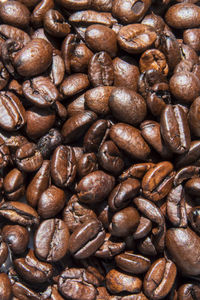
{"x": 50, "y": 233}
{"x": 132, "y": 263}
{"x": 5, "y": 287}
{"x": 14, "y": 185}
{"x": 86, "y": 239}
{"x": 16, "y": 237}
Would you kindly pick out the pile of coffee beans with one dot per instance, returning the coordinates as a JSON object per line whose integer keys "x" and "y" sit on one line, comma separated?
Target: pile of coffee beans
{"x": 99, "y": 149}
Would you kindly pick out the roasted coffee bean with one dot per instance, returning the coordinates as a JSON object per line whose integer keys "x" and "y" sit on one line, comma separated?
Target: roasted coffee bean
{"x": 123, "y": 193}
{"x": 127, "y": 106}
{"x": 40, "y": 91}
{"x": 76, "y": 126}
{"x": 14, "y": 185}
{"x": 95, "y": 187}
{"x": 12, "y": 112}
{"x": 63, "y": 166}
{"x": 76, "y": 213}
{"x": 51, "y": 202}
{"x": 192, "y": 186}
{"x": 49, "y": 142}
{"x": 136, "y": 38}
{"x": 39, "y": 12}
{"x": 74, "y": 84}
{"x": 33, "y": 270}
{"x": 194, "y": 218}
{"x": 126, "y": 72}
{"x": 100, "y": 69}
{"x": 34, "y": 58}
{"x": 77, "y": 284}
{"x": 87, "y": 164}
{"x": 95, "y": 135}
{"x": 4, "y": 76}
{"x": 117, "y": 282}
{"x": 24, "y": 292}
{"x": 5, "y": 287}
{"x": 174, "y": 129}
{"x": 143, "y": 228}
{"x": 28, "y": 158}
{"x": 124, "y": 222}
{"x": 176, "y": 209}
{"x": 51, "y": 240}
{"x": 97, "y": 99}
{"x": 186, "y": 173}
{"x": 86, "y": 239}
{"x": 130, "y": 11}
{"x": 54, "y": 23}
{"x": 20, "y": 213}
{"x": 122, "y": 133}
{"x": 39, "y": 121}
{"x": 153, "y": 59}
{"x": 110, "y": 247}
{"x": 57, "y": 69}
{"x": 136, "y": 171}
{"x": 4, "y": 154}
{"x": 110, "y": 158}
{"x": 16, "y": 237}
{"x": 101, "y": 38}
{"x": 186, "y": 261}
{"x": 3, "y": 252}
{"x": 160, "y": 278}
{"x": 175, "y": 15}
{"x": 157, "y": 182}
{"x": 132, "y": 263}
{"x": 38, "y": 184}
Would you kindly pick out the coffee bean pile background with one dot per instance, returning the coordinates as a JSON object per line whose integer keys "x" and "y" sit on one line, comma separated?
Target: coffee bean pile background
{"x": 99, "y": 150}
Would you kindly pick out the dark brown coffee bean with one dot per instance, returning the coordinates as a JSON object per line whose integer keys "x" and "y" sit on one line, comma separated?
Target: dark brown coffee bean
{"x": 4, "y": 76}
{"x": 110, "y": 247}
{"x": 124, "y": 222}
{"x": 102, "y": 5}
{"x": 190, "y": 157}
{"x": 3, "y": 252}
{"x": 118, "y": 282}
{"x": 28, "y": 158}
{"x": 77, "y": 283}
{"x": 194, "y": 218}
{"x": 87, "y": 164}
{"x": 39, "y": 121}
{"x": 40, "y": 91}
{"x": 12, "y": 112}
{"x": 175, "y": 15}
{"x": 193, "y": 117}
{"x": 185, "y": 174}
{"x": 4, "y": 154}
{"x": 51, "y": 202}
{"x": 126, "y": 72}
{"x": 150, "y": 131}
{"x": 75, "y": 127}
{"x": 132, "y": 263}
{"x": 14, "y": 185}
{"x": 130, "y": 11}
{"x": 95, "y": 135}
{"x": 16, "y": 237}
{"x": 57, "y": 69}
{"x": 143, "y": 228}
{"x": 34, "y": 58}
{"x": 23, "y": 292}
{"x": 95, "y": 187}
{"x": 54, "y": 23}
{"x": 74, "y": 84}
{"x": 192, "y": 186}
{"x": 11, "y": 32}
{"x": 97, "y": 99}
{"x": 5, "y": 287}
{"x": 188, "y": 291}
{"x": 186, "y": 261}
{"x": 100, "y": 69}
{"x": 185, "y": 86}
{"x": 124, "y": 136}
{"x": 101, "y": 38}
{"x": 174, "y": 128}
{"x": 79, "y": 58}
{"x": 110, "y": 158}
{"x": 160, "y": 278}
{"x": 86, "y": 239}
{"x": 123, "y": 193}
{"x": 191, "y": 37}
{"x": 76, "y": 213}
{"x": 47, "y": 143}
{"x": 51, "y": 240}
{"x": 40, "y": 11}
{"x": 38, "y": 184}
{"x": 158, "y": 181}
{"x": 89, "y": 17}
{"x": 136, "y": 38}
{"x": 127, "y": 106}
{"x": 136, "y": 171}
{"x": 63, "y": 166}
{"x": 15, "y": 14}
{"x": 32, "y": 270}
{"x": 20, "y": 213}
{"x": 153, "y": 59}
{"x": 146, "y": 246}
{"x": 176, "y": 210}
